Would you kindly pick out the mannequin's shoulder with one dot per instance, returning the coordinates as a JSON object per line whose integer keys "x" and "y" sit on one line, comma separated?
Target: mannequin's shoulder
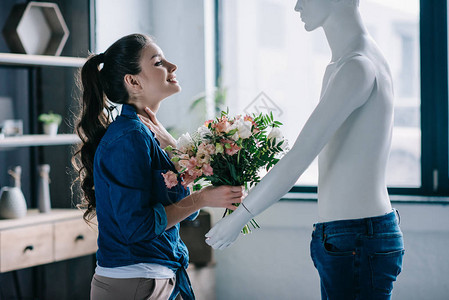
{"x": 357, "y": 66}
{"x": 356, "y": 58}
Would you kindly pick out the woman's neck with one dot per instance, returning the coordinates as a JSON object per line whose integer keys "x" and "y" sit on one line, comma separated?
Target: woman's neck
{"x": 140, "y": 107}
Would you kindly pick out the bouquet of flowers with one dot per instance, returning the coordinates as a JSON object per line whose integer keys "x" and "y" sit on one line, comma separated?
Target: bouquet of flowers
{"x": 227, "y": 151}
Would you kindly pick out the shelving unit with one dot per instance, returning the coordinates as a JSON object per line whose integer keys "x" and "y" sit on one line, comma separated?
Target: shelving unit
{"x": 26, "y": 60}
{"x": 38, "y": 140}
{"x": 38, "y": 84}
{"x": 40, "y": 60}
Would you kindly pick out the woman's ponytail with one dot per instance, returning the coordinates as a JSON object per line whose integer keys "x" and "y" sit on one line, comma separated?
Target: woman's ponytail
{"x": 91, "y": 127}
{"x": 98, "y": 86}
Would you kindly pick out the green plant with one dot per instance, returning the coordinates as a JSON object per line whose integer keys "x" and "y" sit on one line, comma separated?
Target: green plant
{"x": 50, "y": 118}
{"x": 219, "y": 96}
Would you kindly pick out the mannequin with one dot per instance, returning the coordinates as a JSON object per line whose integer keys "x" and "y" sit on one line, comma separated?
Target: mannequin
{"x": 350, "y": 130}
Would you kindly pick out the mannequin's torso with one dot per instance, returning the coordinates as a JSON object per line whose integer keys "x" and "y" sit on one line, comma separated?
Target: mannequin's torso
{"x": 352, "y": 164}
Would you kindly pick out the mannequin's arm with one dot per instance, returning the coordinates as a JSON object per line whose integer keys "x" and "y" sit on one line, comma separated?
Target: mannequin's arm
{"x": 349, "y": 89}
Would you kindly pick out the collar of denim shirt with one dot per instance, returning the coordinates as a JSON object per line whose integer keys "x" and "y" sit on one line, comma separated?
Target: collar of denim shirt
{"x": 130, "y": 112}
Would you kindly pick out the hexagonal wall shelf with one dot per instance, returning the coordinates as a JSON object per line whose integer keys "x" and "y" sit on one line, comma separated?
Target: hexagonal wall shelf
{"x": 36, "y": 28}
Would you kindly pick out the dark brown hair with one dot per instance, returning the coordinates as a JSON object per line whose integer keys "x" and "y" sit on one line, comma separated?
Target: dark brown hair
{"x": 98, "y": 85}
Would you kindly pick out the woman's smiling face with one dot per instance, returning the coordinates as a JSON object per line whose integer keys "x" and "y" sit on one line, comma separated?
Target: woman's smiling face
{"x": 157, "y": 76}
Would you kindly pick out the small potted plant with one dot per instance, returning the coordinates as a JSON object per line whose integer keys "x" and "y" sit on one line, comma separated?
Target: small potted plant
{"x": 51, "y": 122}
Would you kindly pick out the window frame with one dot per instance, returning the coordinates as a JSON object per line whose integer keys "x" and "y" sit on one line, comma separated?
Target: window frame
{"x": 434, "y": 99}
{"x": 434, "y": 103}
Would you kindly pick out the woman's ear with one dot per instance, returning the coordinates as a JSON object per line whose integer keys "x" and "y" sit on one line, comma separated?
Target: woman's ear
{"x": 132, "y": 82}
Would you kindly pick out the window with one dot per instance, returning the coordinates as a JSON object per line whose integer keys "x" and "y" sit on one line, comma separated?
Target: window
{"x": 394, "y": 26}
{"x": 266, "y": 60}
{"x": 269, "y": 60}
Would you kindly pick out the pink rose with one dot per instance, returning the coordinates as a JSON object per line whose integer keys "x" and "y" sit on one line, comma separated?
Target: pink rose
{"x": 210, "y": 148}
{"x": 230, "y": 147}
{"x": 183, "y": 160}
{"x": 223, "y": 126}
{"x": 170, "y": 178}
{"x": 203, "y": 154}
{"x": 207, "y": 170}
{"x": 202, "y": 158}
{"x": 187, "y": 179}
{"x": 233, "y": 150}
{"x": 195, "y": 173}
{"x": 191, "y": 163}
{"x": 248, "y": 118}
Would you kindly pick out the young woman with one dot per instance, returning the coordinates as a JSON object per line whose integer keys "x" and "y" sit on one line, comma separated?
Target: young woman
{"x": 140, "y": 254}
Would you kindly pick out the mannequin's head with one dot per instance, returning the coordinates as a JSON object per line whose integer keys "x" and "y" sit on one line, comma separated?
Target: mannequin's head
{"x": 314, "y": 13}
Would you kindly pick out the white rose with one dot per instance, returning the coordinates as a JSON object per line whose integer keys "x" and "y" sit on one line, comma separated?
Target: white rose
{"x": 233, "y": 126}
{"x": 276, "y": 133}
{"x": 244, "y": 128}
{"x": 203, "y": 131}
{"x": 235, "y": 136}
{"x": 184, "y": 142}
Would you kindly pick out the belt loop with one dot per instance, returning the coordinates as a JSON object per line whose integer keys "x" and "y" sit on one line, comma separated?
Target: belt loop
{"x": 323, "y": 234}
{"x": 369, "y": 226}
{"x": 399, "y": 216}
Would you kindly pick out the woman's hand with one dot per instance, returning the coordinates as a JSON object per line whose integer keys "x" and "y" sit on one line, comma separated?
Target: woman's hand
{"x": 222, "y": 196}
{"x": 159, "y": 131}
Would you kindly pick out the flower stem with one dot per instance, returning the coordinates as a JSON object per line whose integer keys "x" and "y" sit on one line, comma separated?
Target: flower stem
{"x": 246, "y": 229}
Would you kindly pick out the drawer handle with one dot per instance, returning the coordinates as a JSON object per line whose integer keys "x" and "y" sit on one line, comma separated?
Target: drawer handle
{"x": 28, "y": 248}
{"x": 79, "y": 238}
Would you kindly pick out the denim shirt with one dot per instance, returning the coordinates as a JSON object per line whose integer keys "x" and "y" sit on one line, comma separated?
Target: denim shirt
{"x": 130, "y": 197}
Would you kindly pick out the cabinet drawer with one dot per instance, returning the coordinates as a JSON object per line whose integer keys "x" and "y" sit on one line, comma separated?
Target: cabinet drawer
{"x": 74, "y": 238}
{"x": 25, "y": 247}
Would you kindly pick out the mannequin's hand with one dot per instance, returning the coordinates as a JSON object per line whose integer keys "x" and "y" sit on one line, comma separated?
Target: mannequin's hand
{"x": 227, "y": 230}
{"x": 163, "y": 136}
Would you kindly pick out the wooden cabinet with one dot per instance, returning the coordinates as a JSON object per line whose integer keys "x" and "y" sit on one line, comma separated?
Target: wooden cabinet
{"x": 25, "y": 247}
{"x": 44, "y": 238}
{"x": 73, "y": 238}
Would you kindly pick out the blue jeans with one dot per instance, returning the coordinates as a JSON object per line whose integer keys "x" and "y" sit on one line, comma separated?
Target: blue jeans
{"x": 358, "y": 259}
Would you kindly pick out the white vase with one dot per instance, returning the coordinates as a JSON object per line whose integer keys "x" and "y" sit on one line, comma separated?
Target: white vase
{"x": 51, "y": 128}
{"x": 43, "y": 196}
{"x": 12, "y": 203}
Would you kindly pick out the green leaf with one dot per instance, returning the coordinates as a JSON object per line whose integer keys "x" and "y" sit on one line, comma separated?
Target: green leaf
{"x": 231, "y": 132}
{"x": 197, "y": 187}
{"x": 197, "y": 102}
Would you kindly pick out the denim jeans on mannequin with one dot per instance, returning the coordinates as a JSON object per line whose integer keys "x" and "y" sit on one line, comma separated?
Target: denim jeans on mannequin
{"x": 358, "y": 259}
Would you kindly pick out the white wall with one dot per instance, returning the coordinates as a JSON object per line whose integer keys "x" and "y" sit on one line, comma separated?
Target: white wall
{"x": 179, "y": 29}
{"x": 274, "y": 263}
{"x": 117, "y": 18}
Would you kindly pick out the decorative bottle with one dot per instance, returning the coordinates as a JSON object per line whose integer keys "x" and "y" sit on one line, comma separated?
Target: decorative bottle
{"x": 43, "y": 199}
{"x": 12, "y": 201}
